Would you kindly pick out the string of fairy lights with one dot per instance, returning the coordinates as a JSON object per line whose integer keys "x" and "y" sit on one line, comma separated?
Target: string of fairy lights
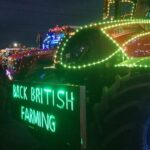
{"x": 58, "y": 58}
{"x": 109, "y": 3}
{"x": 136, "y": 62}
{"x": 61, "y": 49}
{"x": 132, "y": 39}
{"x": 121, "y": 47}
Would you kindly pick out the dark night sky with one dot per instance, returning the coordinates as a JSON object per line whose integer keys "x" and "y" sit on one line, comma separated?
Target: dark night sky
{"x": 21, "y": 20}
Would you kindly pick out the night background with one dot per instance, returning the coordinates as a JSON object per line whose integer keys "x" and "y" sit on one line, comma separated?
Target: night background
{"x": 21, "y": 20}
{"x": 73, "y": 89}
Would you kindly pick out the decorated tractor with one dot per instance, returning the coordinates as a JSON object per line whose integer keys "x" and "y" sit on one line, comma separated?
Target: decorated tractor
{"x": 111, "y": 60}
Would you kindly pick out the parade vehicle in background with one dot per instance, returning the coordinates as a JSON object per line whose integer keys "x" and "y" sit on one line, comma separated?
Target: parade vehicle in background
{"x": 17, "y": 63}
{"x": 17, "y": 60}
{"x": 96, "y": 94}
{"x": 5, "y": 53}
{"x": 55, "y": 36}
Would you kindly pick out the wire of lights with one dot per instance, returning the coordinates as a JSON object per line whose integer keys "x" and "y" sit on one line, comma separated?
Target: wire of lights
{"x": 110, "y": 2}
{"x": 108, "y": 25}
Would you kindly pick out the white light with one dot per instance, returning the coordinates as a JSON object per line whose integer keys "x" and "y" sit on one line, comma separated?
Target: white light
{"x": 15, "y": 44}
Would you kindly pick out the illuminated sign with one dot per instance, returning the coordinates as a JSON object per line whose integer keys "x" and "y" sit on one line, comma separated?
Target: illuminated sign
{"x": 56, "y": 110}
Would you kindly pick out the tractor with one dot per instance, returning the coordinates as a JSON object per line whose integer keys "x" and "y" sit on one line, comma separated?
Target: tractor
{"x": 111, "y": 59}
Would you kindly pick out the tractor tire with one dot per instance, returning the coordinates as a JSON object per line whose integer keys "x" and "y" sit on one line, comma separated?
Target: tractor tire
{"x": 123, "y": 116}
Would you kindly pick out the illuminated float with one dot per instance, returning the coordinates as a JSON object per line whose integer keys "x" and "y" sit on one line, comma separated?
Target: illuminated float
{"x": 111, "y": 60}
{"x": 56, "y": 35}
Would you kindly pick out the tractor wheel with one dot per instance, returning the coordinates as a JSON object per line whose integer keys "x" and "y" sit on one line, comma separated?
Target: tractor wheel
{"x": 123, "y": 117}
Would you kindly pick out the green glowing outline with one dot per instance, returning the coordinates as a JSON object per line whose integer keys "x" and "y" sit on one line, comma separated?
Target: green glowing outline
{"x": 120, "y": 48}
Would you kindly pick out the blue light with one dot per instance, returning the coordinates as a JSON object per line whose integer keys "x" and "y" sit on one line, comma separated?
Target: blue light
{"x": 52, "y": 40}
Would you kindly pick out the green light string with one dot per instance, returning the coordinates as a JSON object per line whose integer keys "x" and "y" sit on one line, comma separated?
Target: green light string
{"x": 136, "y": 63}
{"x": 123, "y": 1}
{"x": 132, "y": 39}
{"x": 108, "y": 26}
{"x": 90, "y": 64}
{"x": 117, "y": 44}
